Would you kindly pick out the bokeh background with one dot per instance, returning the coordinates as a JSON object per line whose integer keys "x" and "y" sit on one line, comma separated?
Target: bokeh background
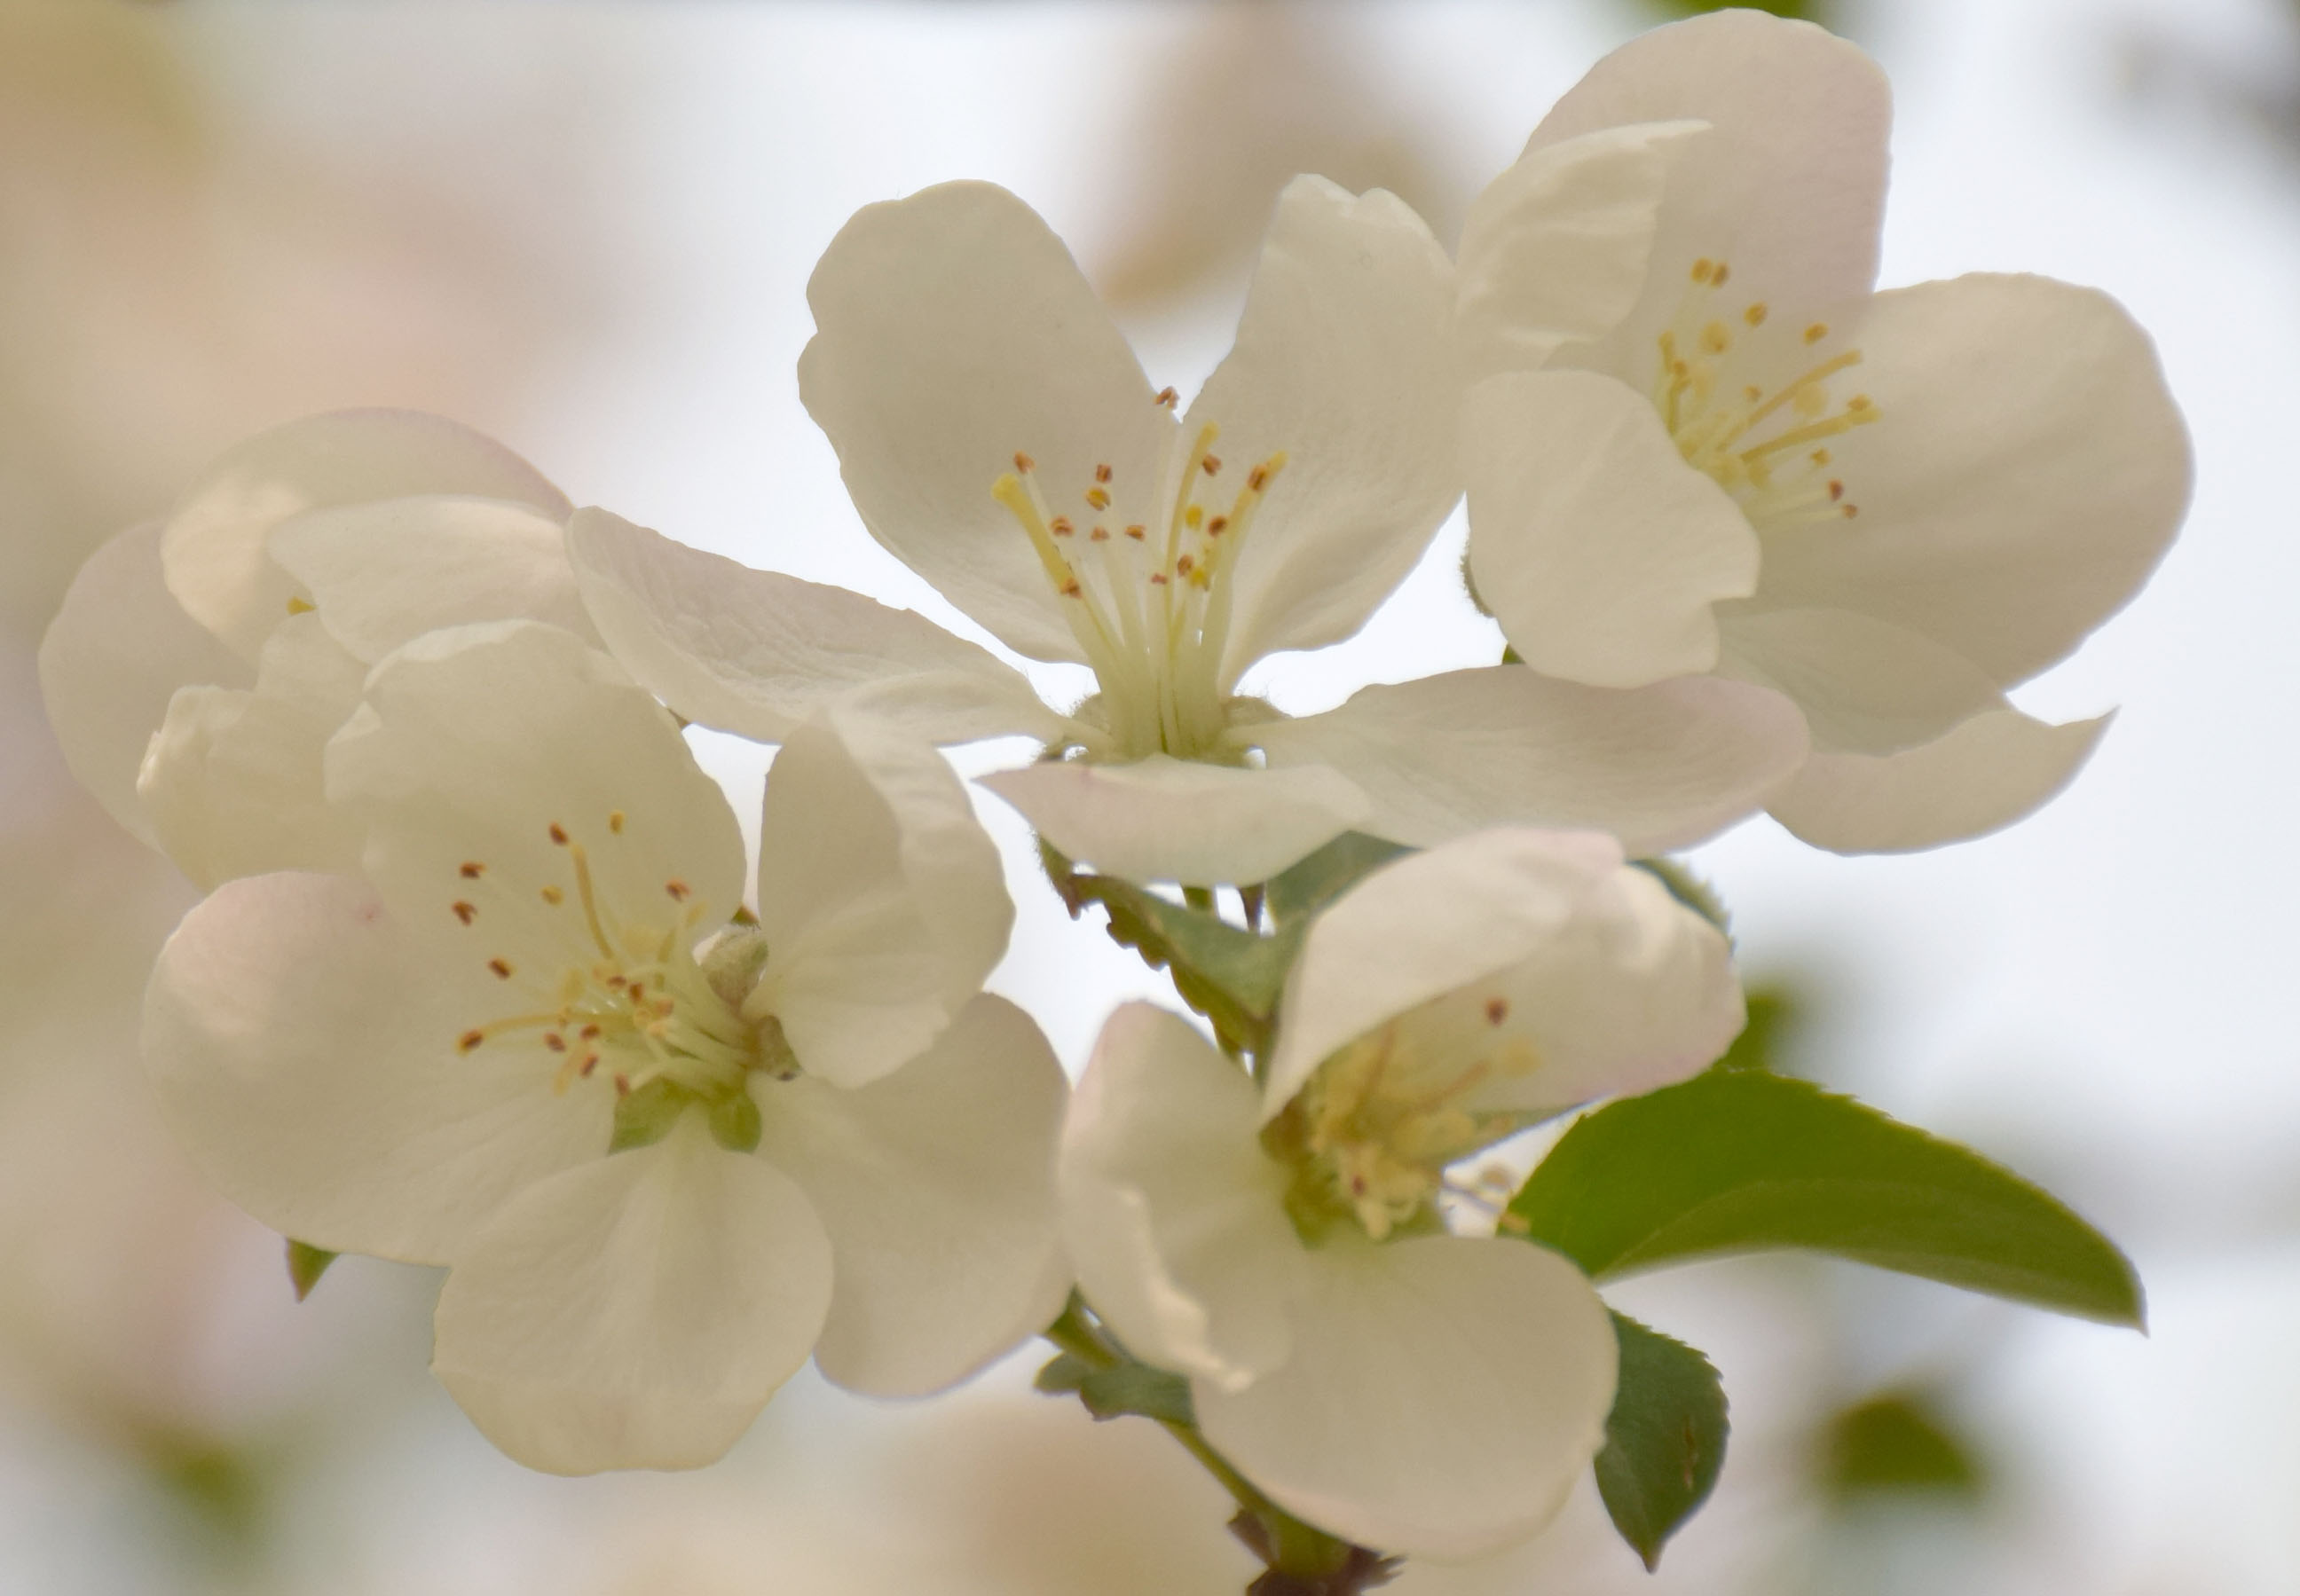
{"x": 588, "y": 227}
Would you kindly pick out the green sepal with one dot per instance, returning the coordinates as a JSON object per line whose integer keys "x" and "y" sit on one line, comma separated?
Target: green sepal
{"x": 1742, "y": 1161}
{"x": 1689, "y": 890}
{"x": 1062, "y": 1374}
{"x": 645, "y": 1114}
{"x": 305, "y": 1265}
{"x": 735, "y": 1123}
{"x": 1664, "y": 1439}
{"x": 1898, "y": 1442}
{"x": 1136, "y": 1388}
{"x": 1302, "y": 889}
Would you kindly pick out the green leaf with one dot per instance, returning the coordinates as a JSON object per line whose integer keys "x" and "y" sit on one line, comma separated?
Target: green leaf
{"x": 1665, "y": 1440}
{"x": 1773, "y": 1014}
{"x": 1301, "y": 890}
{"x": 1062, "y": 1374}
{"x": 1138, "y": 1388}
{"x": 1898, "y": 1442}
{"x": 1744, "y": 1161}
{"x": 305, "y": 1265}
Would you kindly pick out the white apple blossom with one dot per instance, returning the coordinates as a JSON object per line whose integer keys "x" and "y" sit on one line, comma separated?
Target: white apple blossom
{"x": 663, "y": 1156}
{"x": 1889, "y": 506}
{"x": 997, "y": 434}
{"x": 199, "y": 664}
{"x": 1282, "y": 1245}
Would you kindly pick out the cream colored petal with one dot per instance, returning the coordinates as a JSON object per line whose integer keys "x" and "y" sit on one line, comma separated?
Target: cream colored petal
{"x": 953, "y": 331}
{"x": 1174, "y": 1217}
{"x": 214, "y": 551}
{"x": 1865, "y": 686}
{"x": 1443, "y": 1396}
{"x": 1661, "y": 766}
{"x": 935, "y": 1185}
{"x": 756, "y": 652}
{"x": 1598, "y": 549}
{"x": 635, "y": 1311}
{"x": 116, "y": 655}
{"x": 1996, "y": 769}
{"x": 1167, "y": 819}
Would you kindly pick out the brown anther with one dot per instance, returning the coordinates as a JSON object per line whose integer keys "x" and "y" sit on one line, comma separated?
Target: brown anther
{"x": 1851, "y": 511}
{"x": 590, "y": 1062}
{"x": 559, "y": 834}
{"x": 464, "y": 912}
{"x": 1168, "y": 398}
{"x": 1211, "y": 464}
{"x": 1137, "y": 532}
{"x": 469, "y": 1039}
{"x": 1835, "y": 492}
{"x": 473, "y": 869}
{"x": 1185, "y": 566}
{"x": 639, "y": 992}
{"x": 1157, "y": 578}
{"x": 501, "y": 967}
{"x": 1752, "y": 393}
{"x": 678, "y": 890}
{"x": 1754, "y": 315}
{"x": 1258, "y": 478}
{"x": 554, "y": 1042}
{"x": 590, "y": 1033}
{"x": 1858, "y": 403}
{"x": 1024, "y": 463}
{"x": 1816, "y": 332}
{"x": 1060, "y": 526}
{"x": 1218, "y": 526}
{"x": 1717, "y": 279}
{"x": 1702, "y": 269}
{"x": 1821, "y": 457}
{"x": 1071, "y": 588}
{"x": 1101, "y": 473}
{"x": 1099, "y": 535}
{"x": 615, "y": 821}
{"x": 554, "y": 896}
{"x": 1099, "y": 497}
{"x": 1496, "y": 1010}
{"x": 622, "y": 1085}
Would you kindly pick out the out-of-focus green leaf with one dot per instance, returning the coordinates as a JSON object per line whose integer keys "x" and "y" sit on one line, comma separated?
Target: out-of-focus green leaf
{"x": 305, "y": 1265}
{"x": 1665, "y": 1440}
{"x": 1136, "y": 1388}
{"x": 1301, "y": 890}
{"x": 1772, "y": 1015}
{"x": 1740, "y": 1161}
{"x": 1898, "y": 1442}
{"x": 1810, "y": 10}
{"x": 1062, "y": 1373}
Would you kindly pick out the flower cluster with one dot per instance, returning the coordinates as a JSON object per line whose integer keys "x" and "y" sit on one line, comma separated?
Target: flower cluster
{"x": 483, "y": 979}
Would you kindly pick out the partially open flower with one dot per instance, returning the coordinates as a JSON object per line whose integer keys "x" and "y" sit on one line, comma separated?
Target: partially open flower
{"x": 665, "y": 1157}
{"x": 1286, "y": 1246}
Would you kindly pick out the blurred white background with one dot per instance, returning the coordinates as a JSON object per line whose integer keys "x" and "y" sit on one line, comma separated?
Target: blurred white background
{"x": 588, "y": 229}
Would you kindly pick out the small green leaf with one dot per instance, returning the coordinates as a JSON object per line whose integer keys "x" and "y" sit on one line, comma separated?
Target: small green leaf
{"x": 1062, "y": 1374}
{"x": 305, "y": 1265}
{"x": 1773, "y": 1014}
{"x": 645, "y": 1114}
{"x": 1301, "y": 890}
{"x": 1665, "y": 1440}
{"x": 1898, "y": 1442}
{"x": 1136, "y": 1388}
{"x": 1741, "y": 1161}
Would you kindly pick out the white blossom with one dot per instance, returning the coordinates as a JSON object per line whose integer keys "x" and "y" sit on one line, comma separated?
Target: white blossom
{"x": 1889, "y": 506}
{"x": 663, "y": 1156}
{"x": 997, "y": 434}
{"x": 1282, "y": 1244}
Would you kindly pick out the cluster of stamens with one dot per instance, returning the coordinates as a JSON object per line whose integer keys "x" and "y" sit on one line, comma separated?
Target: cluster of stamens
{"x": 631, "y": 996}
{"x": 1148, "y": 600}
{"x": 1766, "y": 444}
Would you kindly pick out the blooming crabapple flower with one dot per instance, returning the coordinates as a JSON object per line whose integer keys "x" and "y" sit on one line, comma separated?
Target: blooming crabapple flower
{"x": 998, "y": 437}
{"x": 198, "y": 665}
{"x": 1282, "y": 1245}
{"x": 663, "y": 1156}
{"x": 1890, "y": 507}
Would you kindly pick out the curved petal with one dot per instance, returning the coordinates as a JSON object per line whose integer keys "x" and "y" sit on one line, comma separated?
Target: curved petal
{"x": 111, "y": 659}
{"x": 213, "y": 550}
{"x": 1174, "y": 1215}
{"x": 756, "y": 652}
{"x": 2027, "y": 470}
{"x": 304, "y": 1050}
{"x": 635, "y": 1311}
{"x": 936, "y": 1185}
{"x": 1661, "y": 766}
{"x": 385, "y": 572}
{"x": 953, "y": 332}
{"x": 1343, "y": 362}
{"x": 1597, "y": 547}
{"x": 1444, "y": 1396}
{"x": 883, "y": 899}
{"x": 233, "y": 780}
{"x": 1993, "y": 769}
{"x": 492, "y": 762}
{"x": 1865, "y": 686}
{"x": 1555, "y": 251}
{"x": 1789, "y": 186}
{"x": 1535, "y": 956}
{"x": 1167, "y": 819}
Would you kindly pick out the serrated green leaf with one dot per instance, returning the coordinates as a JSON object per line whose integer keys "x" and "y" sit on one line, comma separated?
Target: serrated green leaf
{"x": 1136, "y": 1388}
{"x": 305, "y": 1265}
{"x": 1664, "y": 1439}
{"x": 1898, "y": 1442}
{"x": 1745, "y": 1161}
{"x": 1302, "y": 889}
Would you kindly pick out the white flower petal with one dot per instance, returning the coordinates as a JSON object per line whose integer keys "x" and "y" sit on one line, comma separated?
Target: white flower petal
{"x": 1174, "y": 1217}
{"x": 1342, "y": 361}
{"x": 1555, "y": 250}
{"x": 1514, "y": 940}
{"x": 883, "y": 899}
{"x": 112, "y": 658}
{"x": 1993, "y": 769}
{"x": 1865, "y": 686}
{"x": 636, "y": 1311}
{"x": 233, "y": 779}
{"x": 756, "y": 652}
{"x": 2027, "y": 470}
{"x": 475, "y": 742}
{"x": 936, "y": 1185}
{"x": 386, "y": 572}
{"x": 953, "y": 331}
{"x": 1790, "y": 185}
{"x": 212, "y": 549}
{"x": 1443, "y": 1396}
{"x": 1166, "y": 819}
{"x": 304, "y": 1051}
{"x": 1661, "y": 766}
{"x": 1597, "y": 547}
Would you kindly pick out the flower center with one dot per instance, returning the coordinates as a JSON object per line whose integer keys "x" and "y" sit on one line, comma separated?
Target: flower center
{"x": 1761, "y": 438}
{"x": 1147, "y": 595}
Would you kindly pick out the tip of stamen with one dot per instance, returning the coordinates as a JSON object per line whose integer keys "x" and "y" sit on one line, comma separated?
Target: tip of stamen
{"x": 1099, "y": 535}
{"x": 469, "y": 1039}
{"x": 1185, "y": 565}
{"x": 554, "y": 1042}
{"x": 678, "y": 890}
{"x": 1218, "y": 526}
{"x": 501, "y": 967}
{"x": 1157, "y": 578}
{"x": 466, "y": 912}
{"x": 1211, "y": 464}
{"x": 554, "y": 896}
{"x": 1704, "y": 270}
{"x": 1098, "y": 498}
{"x": 1851, "y": 511}
{"x": 1756, "y": 314}
{"x": 1717, "y": 279}
{"x": 1858, "y": 403}
{"x": 1024, "y": 463}
{"x": 473, "y": 869}
{"x": 1060, "y": 526}
{"x": 1835, "y": 491}
{"x": 1137, "y": 532}
{"x": 1496, "y": 1010}
{"x": 1168, "y": 398}
{"x": 615, "y": 821}
{"x": 1071, "y": 588}
{"x": 1101, "y": 473}
{"x": 1816, "y": 332}
{"x": 559, "y": 834}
